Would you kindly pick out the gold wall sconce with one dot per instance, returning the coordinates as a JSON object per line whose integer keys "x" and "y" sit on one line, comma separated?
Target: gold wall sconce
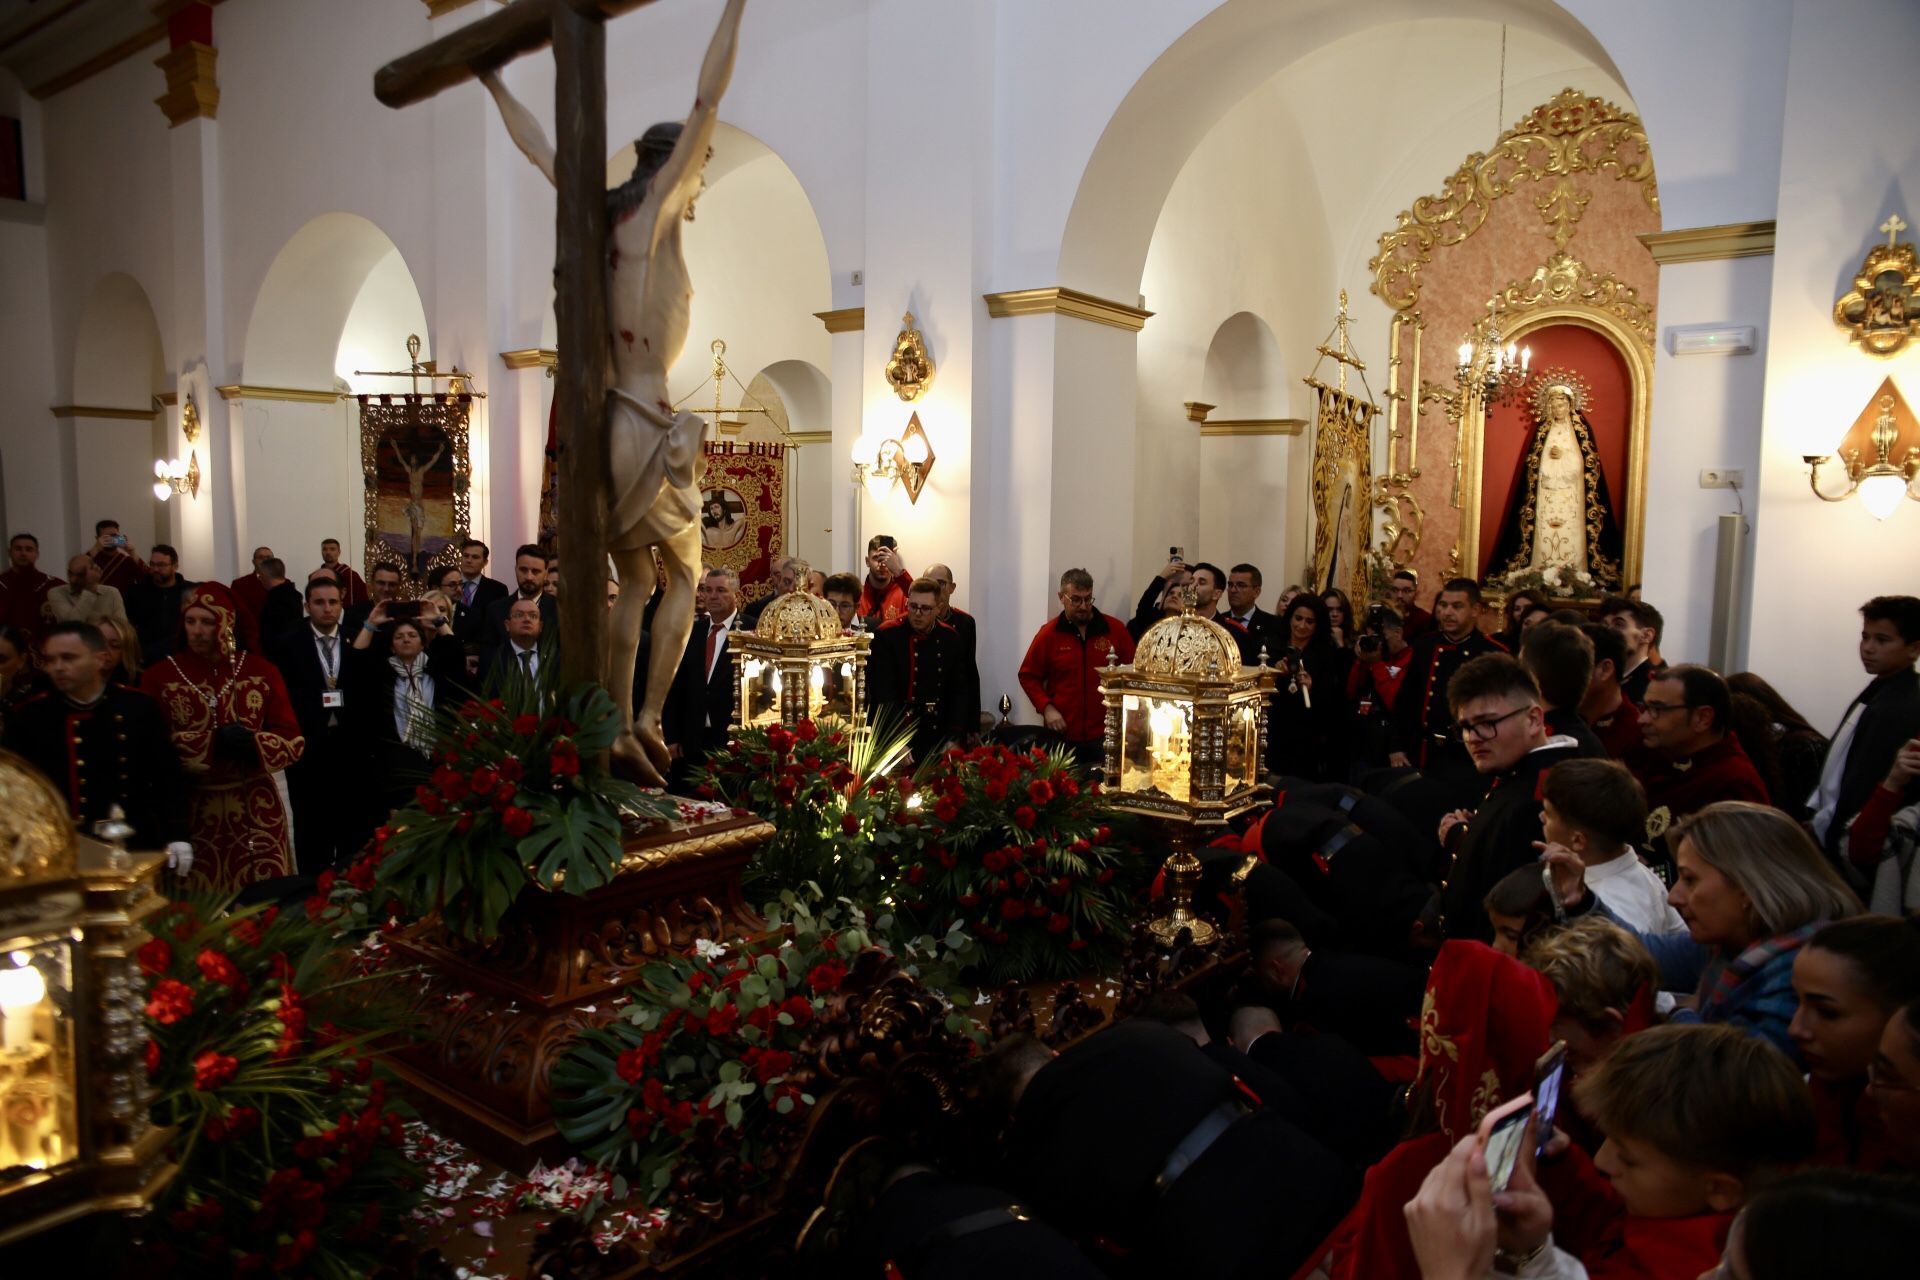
{"x": 908, "y": 460}
{"x": 910, "y": 368}
{"x": 171, "y": 476}
{"x": 1882, "y": 482}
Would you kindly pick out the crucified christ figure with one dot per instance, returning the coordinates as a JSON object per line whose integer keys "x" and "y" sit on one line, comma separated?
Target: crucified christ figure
{"x": 653, "y": 500}
{"x": 416, "y": 508}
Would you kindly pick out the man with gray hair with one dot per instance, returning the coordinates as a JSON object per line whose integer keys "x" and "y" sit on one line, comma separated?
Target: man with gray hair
{"x": 1061, "y": 672}
{"x": 785, "y": 578}
{"x": 700, "y": 705}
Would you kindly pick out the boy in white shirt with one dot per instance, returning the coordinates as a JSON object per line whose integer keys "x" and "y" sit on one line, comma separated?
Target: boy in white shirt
{"x": 1595, "y": 808}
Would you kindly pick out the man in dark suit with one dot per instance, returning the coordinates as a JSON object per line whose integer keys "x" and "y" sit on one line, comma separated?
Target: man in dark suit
{"x": 280, "y": 605}
{"x": 530, "y": 579}
{"x": 1243, "y": 608}
{"x": 1134, "y": 1136}
{"x": 312, "y": 658}
{"x": 784, "y": 578}
{"x": 477, "y": 591}
{"x": 1878, "y": 722}
{"x": 917, "y": 668}
{"x": 382, "y": 584}
{"x": 1422, "y": 727}
{"x": 1497, "y": 708}
{"x": 523, "y": 657}
{"x": 700, "y": 707}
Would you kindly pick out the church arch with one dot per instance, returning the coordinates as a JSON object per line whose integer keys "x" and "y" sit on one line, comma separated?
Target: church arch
{"x": 338, "y": 297}
{"x": 108, "y": 450}
{"x": 1244, "y": 376}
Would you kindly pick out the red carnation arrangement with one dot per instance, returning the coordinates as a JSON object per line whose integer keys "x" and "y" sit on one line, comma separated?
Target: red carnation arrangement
{"x": 513, "y": 800}
{"x": 1017, "y": 847}
{"x": 269, "y": 1108}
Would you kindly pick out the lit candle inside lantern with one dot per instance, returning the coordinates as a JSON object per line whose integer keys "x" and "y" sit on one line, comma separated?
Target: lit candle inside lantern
{"x": 21, "y": 991}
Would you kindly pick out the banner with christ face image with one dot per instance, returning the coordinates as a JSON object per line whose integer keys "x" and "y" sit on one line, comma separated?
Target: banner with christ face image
{"x": 413, "y": 457}
{"x": 743, "y": 511}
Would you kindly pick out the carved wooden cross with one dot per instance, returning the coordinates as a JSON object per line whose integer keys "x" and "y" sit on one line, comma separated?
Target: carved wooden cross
{"x": 1893, "y": 227}
{"x": 576, "y": 29}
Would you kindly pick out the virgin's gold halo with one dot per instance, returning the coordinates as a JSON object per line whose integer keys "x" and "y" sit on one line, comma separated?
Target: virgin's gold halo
{"x": 1566, "y": 380}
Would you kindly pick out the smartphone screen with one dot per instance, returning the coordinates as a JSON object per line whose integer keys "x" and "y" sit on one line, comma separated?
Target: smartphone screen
{"x": 1503, "y": 1147}
{"x": 1549, "y": 1074}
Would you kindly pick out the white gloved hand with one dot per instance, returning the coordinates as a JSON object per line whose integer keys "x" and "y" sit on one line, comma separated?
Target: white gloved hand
{"x": 180, "y": 857}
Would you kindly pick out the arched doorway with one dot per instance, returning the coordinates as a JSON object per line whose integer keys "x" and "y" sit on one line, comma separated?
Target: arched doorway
{"x": 115, "y": 429}
{"x": 337, "y": 299}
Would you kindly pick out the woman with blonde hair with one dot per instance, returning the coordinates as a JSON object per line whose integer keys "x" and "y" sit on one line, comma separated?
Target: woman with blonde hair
{"x": 1752, "y": 888}
{"x": 123, "y": 651}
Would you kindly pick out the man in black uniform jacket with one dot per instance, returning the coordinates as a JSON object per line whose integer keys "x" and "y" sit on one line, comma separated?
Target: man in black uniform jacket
{"x": 100, "y": 744}
{"x": 917, "y": 667}
{"x": 1560, "y": 659}
{"x": 1371, "y": 1003}
{"x": 928, "y": 1226}
{"x": 1133, "y": 1137}
{"x": 1422, "y": 729}
{"x": 1498, "y": 708}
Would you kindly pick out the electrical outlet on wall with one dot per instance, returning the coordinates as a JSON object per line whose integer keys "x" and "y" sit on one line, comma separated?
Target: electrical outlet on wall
{"x": 859, "y": 279}
{"x": 1722, "y": 478}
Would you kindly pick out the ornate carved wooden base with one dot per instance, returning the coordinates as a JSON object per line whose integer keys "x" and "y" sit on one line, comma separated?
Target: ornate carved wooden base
{"x": 494, "y": 1018}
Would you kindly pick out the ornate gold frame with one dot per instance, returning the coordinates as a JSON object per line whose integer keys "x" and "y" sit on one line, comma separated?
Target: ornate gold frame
{"x": 1342, "y": 431}
{"x": 447, "y": 414}
{"x": 1565, "y": 292}
{"x": 1854, "y": 311}
{"x": 910, "y": 370}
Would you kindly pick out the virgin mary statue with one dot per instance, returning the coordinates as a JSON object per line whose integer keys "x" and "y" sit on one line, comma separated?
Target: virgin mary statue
{"x": 1559, "y": 521}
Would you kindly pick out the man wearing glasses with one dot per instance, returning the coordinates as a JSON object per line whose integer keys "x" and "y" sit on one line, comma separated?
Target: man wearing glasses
{"x": 1061, "y": 672}
{"x": 918, "y": 665}
{"x": 1496, "y": 707}
{"x": 1688, "y": 759}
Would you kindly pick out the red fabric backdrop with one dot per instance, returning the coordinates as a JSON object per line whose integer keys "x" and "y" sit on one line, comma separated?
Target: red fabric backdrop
{"x": 1592, "y": 356}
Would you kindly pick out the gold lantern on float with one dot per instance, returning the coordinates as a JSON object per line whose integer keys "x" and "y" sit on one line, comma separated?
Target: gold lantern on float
{"x": 799, "y": 664}
{"x": 1186, "y": 735}
{"x": 75, "y": 1134}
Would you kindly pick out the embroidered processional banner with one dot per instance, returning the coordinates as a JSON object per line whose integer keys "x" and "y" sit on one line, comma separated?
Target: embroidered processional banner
{"x": 743, "y": 511}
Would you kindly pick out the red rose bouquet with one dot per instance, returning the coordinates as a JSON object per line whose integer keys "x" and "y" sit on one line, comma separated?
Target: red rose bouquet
{"x": 289, "y": 1154}
{"x": 825, "y": 789}
{"x": 513, "y": 800}
{"x": 717, "y": 1058}
{"x": 1014, "y": 845}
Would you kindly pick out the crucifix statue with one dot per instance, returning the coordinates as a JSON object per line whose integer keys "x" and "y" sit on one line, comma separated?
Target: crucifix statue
{"x": 627, "y": 473}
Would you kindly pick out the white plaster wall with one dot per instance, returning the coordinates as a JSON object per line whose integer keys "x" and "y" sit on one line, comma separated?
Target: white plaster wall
{"x": 30, "y": 437}
{"x": 1706, "y": 413}
{"x": 1841, "y": 171}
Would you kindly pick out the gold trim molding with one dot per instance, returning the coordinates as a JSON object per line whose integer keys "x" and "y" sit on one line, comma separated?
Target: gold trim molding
{"x": 296, "y": 395}
{"x": 1197, "y": 410}
{"x": 441, "y": 8}
{"x": 1569, "y": 134}
{"x": 168, "y": 398}
{"x": 531, "y": 358}
{"x": 845, "y": 320}
{"x": 809, "y": 437}
{"x": 1565, "y": 280}
{"x": 1254, "y": 427}
{"x": 1067, "y": 302}
{"x": 192, "y": 91}
{"x": 1710, "y": 244}
{"x": 103, "y": 411}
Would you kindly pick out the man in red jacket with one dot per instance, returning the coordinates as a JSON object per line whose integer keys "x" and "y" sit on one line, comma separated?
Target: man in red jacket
{"x": 883, "y": 595}
{"x": 23, "y": 588}
{"x": 1689, "y": 759}
{"x": 1060, "y": 673}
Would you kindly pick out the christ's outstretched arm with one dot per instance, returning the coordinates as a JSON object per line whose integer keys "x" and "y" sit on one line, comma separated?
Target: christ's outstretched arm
{"x": 521, "y": 126}
{"x": 678, "y": 181}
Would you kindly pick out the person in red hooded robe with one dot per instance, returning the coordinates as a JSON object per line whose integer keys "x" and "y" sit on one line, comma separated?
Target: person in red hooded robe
{"x": 234, "y": 728}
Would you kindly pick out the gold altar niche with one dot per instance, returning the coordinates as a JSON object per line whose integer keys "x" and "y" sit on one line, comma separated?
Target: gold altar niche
{"x": 799, "y": 664}
{"x": 415, "y": 471}
{"x": 1342, "y": 468}
{"x": 1185, "y": 737}
{"x": 76, "y": 1135}
{"x": 1562, "y": 292}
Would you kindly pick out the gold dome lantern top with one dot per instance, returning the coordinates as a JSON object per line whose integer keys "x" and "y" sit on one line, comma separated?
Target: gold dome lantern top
{"x": 1187, "y": 647}
{"x": 37, "y": 842}
{"x": 799, "y": 618}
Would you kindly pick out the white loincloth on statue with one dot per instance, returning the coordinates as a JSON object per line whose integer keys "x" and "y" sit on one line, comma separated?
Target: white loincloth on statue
{"x": 653, "y": 472}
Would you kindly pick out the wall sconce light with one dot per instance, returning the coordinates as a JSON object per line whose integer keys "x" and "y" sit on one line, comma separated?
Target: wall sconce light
{"x": 171, "y": 477}
{"x": 1880, "y": 484}
{"x": 908, "y": 460}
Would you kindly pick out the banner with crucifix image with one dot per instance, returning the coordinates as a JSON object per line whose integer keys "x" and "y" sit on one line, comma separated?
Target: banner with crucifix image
{"x": 743, "y": 511}
{"x": 416, "y": 477}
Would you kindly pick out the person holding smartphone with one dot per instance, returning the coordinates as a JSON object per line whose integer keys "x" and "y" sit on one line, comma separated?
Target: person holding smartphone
{"x": 120, "y": 566}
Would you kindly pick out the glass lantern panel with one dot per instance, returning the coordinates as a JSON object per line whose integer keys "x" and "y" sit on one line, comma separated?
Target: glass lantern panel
{"x": 830, "y": 691}
{"x": 39, "y": 1120}
{"x": 759, "y": 693}
{"x": 1156, "y": 746}
{"x": 1243, "y": 746}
